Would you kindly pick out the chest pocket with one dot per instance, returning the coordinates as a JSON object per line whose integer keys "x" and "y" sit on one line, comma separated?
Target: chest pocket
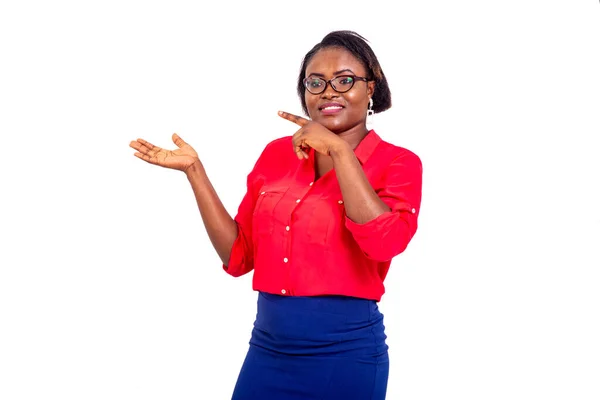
{"x": 326, "y": 218}
{"x": 264, "y": 214}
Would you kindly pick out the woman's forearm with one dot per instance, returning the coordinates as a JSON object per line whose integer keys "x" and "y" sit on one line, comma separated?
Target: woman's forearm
{"x": 221, "y": 228}
{"x": 360, "y": 200}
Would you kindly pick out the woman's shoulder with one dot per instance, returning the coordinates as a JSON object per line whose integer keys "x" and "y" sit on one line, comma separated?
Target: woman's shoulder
{"x": 395, "y": 152}
{"x": 277, "y": 147}
{"x": 279, "y": 142}
{"x": 275, "y": 152}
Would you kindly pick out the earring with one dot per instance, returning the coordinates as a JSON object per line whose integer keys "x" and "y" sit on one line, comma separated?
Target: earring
{"x": 370, "y": 112}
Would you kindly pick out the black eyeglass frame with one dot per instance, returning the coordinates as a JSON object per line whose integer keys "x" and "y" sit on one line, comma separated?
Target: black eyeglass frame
{"x": 354, "y": 79}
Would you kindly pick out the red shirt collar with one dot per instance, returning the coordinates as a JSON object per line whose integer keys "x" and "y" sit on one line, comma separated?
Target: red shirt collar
{"x": 367, "y": 146}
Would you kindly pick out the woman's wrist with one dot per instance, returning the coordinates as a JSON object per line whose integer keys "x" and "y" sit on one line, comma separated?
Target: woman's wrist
{"x": 194, "y": 170}
{"x": 341, "y": 149}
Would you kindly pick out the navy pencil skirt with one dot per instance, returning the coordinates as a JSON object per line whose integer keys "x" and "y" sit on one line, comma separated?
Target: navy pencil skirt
{"x": 324, "y": 347}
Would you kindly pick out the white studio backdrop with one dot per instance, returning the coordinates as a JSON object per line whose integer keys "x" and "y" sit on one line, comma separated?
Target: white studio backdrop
{"x": 109, "y": 286}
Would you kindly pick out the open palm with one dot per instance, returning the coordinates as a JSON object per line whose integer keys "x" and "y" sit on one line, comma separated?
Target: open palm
{"x": 181, "y": 158}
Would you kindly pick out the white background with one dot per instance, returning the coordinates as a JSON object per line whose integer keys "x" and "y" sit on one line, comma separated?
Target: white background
{"x": 109, "y": 286}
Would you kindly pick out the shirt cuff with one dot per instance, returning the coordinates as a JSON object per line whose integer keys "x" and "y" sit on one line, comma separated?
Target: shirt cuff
{"x": 240, "y": 262}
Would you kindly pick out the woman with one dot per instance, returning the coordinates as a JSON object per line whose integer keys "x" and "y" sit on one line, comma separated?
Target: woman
{"x": 325, "y": 212}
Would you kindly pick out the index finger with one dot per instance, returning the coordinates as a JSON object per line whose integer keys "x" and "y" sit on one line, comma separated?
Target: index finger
{"x": 293, "y": 118}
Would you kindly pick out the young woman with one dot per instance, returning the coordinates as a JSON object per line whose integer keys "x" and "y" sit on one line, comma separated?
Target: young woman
{"x": 325, "y": 212}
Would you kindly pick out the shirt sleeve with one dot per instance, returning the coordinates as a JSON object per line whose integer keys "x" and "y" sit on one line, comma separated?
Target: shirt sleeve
{"x": 388, "y": 235}
{"x": 241, "y": 259}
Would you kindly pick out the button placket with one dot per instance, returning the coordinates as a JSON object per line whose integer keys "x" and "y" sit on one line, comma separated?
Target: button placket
{"x": 288, "y": 228}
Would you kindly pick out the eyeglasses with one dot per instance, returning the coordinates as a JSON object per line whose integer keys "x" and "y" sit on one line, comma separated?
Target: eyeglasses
{"x": 340, "y": 84}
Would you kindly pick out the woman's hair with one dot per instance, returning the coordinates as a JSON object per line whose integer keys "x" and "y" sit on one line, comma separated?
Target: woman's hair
{"x": 358, "y": 46}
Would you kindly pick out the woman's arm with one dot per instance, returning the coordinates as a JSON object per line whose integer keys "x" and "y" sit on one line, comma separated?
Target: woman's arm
{"x": 360, "y": 200}
{"x": 382, "y": 222}
{"x": 220, "y": 226}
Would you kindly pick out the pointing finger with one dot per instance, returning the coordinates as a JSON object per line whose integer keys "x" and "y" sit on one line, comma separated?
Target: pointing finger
{"x": 293, "y": 118}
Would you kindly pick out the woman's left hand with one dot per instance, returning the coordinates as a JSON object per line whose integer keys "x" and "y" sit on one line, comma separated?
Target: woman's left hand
{"x": 311, "y": 134}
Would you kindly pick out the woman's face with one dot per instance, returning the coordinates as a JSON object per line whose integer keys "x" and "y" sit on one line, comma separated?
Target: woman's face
{"x": 338, "y": 112}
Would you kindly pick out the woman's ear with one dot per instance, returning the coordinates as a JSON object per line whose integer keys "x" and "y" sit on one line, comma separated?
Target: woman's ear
{"x": 370, "y": 88}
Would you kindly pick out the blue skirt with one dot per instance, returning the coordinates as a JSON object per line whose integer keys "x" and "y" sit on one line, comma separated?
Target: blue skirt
{"x": 325, "y": 347}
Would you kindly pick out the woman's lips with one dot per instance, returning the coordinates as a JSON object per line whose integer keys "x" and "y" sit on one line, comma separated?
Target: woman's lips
{"x": 329, "y": 109}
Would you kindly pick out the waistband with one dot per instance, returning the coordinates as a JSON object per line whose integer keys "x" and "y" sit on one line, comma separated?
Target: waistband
{"x": 319, "y": 325}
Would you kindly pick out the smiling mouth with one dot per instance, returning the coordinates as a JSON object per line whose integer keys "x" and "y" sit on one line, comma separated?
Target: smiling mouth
{"x": 331, "y": 109}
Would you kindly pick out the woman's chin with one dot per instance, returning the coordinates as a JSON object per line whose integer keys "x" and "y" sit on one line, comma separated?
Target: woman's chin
{"x": 334, "y": 125}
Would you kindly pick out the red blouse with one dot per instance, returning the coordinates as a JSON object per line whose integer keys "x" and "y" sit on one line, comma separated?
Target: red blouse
{"x": 294, "y": 232}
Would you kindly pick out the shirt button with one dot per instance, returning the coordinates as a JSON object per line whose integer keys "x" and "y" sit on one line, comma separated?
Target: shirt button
{"x": 285, "y": 260}
{"x": 283, "y": 291}
{"x": 310, "y": 184}
{"x": 340, "y": 201}
{"x": 298, "y": 201}
{"x": 413, "y": 211}
{"x": 287, "y": 228}
{"x": 262, "y": 192}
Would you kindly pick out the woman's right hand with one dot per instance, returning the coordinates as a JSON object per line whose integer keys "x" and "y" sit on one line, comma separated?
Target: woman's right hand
{"x": 181, "y": 159}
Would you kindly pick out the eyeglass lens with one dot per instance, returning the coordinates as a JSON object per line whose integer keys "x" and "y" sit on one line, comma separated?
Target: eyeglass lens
{"x": 340, "y": 84}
